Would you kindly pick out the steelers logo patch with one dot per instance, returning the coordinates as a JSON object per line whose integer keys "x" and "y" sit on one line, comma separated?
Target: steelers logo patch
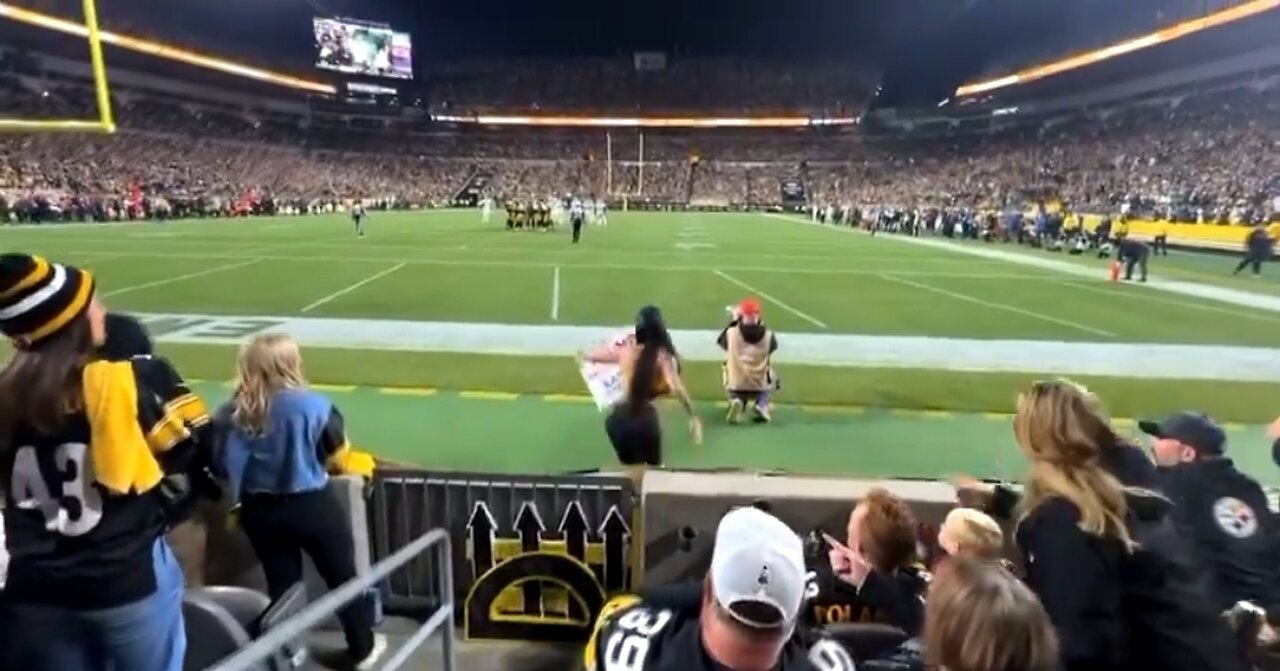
{"x": 1235, "y": 517}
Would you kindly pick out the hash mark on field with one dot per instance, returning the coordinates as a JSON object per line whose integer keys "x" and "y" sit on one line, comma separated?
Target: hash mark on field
{"x": 357, "y": 285}
{"x": 333, "y": 387}
{"x": 769, "y": 298}
{"x": 999, "y": 306}
{"x": 408, "y": 391}
{"x": 567, "y": 398}
{"x": 179, "y": 278}
{"x": 555, "y": 295}
{"x": 489, "y": 395}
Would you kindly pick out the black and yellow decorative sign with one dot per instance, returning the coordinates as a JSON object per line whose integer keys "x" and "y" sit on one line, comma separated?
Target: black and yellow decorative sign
{"x": 538, "y": 584}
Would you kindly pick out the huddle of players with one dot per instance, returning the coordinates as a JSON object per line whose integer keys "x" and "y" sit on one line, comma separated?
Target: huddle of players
{"x": 544, "y": 215}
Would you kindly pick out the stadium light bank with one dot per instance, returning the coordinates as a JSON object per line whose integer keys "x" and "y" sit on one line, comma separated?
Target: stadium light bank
{"x": 647, "y": 122}
{"x": 159, "y": 50}
{"x": 1177, "y": 31}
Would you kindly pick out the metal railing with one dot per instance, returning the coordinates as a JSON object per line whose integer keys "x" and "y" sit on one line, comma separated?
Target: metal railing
{"x": 264, "y": 647}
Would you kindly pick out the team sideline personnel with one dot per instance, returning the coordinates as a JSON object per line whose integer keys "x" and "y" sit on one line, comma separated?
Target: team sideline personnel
{"x": 92, "y": 584}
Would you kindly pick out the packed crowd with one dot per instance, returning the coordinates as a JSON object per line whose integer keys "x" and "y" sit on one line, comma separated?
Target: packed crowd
{"x": 1123, "y": 557}
{"x": 1206, "y": 156}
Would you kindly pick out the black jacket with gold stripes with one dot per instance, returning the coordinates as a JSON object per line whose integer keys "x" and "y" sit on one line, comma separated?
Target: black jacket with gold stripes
{"x": 660, "y": 632}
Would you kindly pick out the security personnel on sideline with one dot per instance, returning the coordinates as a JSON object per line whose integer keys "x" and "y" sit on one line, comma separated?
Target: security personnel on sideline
{"x": 1257, "y": 248}
{"x": 1134, "y": 253}
{"x": 1221, "y": 511}
{"x": 92, "y": 582}
{"x": 744, "y": 618}
{"x": 1160, "y": 243}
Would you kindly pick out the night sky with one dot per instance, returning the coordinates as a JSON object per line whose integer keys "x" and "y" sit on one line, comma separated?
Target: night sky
{"x": 924, "y": 47}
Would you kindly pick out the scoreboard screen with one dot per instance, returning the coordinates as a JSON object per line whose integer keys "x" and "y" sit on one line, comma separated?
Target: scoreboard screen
{"x": 366, "y": 49}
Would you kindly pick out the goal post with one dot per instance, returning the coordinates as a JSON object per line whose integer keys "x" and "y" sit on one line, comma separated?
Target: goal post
{"x": 105, "y": 123}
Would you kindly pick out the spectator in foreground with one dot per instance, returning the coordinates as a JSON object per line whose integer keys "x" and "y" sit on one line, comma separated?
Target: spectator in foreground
{"x": 278, "y": 440}
{"x": 1223, "y": 512}
{"x": 1104, "y": 561}
{"x": 745, "y": 620}
{"x": 980, "y": 617}
{"x": 971, "y": 533}
{"x": 188, "y": 481}
{"x": 877, "y": 568}
{"x": 1119, "y": 457}
{"x": 92, "y": 583}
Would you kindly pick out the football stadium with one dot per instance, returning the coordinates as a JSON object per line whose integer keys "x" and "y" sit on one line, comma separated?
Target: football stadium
{"x": 1031, "y": 276}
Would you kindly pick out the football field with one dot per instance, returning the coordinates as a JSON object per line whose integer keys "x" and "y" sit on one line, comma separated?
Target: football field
{"x": 884, "y": 341}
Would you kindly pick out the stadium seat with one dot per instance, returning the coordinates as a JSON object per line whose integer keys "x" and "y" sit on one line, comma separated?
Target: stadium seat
{"x": 221, "y": 620}
{"x": 867, "y": 640}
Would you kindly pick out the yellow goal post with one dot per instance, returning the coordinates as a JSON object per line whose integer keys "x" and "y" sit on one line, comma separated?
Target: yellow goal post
{"x": 105, "y": 123}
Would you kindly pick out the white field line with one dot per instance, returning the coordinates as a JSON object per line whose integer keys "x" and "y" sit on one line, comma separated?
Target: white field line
{"x": 180, "y": 278}
{"x": 769, "y": 298}
{"x": 357, "y": 285}
{"x": 1040, "y": 357}
{"x": 999, "y": 306}
{"x": 555, "y": 295}
{"x": 1149, "y": 296}
{"x": 598, "y": 266}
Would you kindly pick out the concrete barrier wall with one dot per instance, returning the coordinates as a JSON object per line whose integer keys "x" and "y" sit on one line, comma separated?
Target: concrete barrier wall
{"x": 681, "y": 511}
{"x": 582, "y": 537}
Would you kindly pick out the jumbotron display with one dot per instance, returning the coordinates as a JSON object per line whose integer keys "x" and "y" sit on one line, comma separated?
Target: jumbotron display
{"x": 366, "y": 49}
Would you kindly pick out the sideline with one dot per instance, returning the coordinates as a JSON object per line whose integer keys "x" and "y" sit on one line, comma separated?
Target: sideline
{"x": 1137, "y": 360}
{"x": 1213, "y": 293}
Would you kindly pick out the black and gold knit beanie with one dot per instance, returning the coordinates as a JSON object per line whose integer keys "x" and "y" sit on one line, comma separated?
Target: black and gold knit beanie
{"x": 38, "y": 299}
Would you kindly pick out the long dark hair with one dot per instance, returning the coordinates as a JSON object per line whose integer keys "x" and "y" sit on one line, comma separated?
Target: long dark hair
{"x": 653, "y": 339}
{"x": 42, "y": 383}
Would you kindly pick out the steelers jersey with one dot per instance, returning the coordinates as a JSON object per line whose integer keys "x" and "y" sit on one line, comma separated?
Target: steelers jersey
{"x": 632, "y": 635}
{"x": 83, "y": 509}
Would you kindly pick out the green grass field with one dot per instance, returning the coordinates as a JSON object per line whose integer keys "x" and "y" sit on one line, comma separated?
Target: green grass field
{"x": 445, "y": 266}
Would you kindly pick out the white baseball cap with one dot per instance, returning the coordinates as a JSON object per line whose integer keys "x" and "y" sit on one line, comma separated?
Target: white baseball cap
{"x": 758, "y": 559}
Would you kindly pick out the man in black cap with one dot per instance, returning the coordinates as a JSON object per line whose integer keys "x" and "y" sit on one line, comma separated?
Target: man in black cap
{"x": 1222, "y": 512}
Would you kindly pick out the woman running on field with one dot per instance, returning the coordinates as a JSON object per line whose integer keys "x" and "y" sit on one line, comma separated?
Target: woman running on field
{"x": 650, "y": 368}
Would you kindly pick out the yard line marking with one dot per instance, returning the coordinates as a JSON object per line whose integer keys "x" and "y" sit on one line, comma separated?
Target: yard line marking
{"x": 999, "y": 306}
{"x": 357, "y": 285}
{"x": 1008, "y": 275}
{"x": 555, "y": 296}
{"x": 180, "y": 278}
{"x": 769, "y": 298}
{"x": 1147, "y": 296}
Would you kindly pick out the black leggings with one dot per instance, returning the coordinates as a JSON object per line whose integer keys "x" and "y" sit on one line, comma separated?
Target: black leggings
{"x": 636, "y": 436}
{"x": 281, "y": 528}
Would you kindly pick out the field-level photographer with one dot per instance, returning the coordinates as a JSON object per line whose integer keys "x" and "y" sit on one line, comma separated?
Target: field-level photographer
{"x": 92, "y": 583}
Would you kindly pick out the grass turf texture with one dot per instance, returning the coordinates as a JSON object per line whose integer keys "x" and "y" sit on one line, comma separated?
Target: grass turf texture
{"x": 456, "y": 269}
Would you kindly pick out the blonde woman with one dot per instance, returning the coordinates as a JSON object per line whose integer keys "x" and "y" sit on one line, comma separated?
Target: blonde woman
{"x": 278, "y": 443}
{"x": 979, "y": 617}
{"x": 971, "y": 533}
{"x": 1116, "y": 603}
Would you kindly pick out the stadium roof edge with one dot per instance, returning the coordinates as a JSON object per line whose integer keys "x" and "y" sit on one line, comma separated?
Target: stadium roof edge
{"x": 1164, "y": 35}
{"x": 159, "y": 50}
